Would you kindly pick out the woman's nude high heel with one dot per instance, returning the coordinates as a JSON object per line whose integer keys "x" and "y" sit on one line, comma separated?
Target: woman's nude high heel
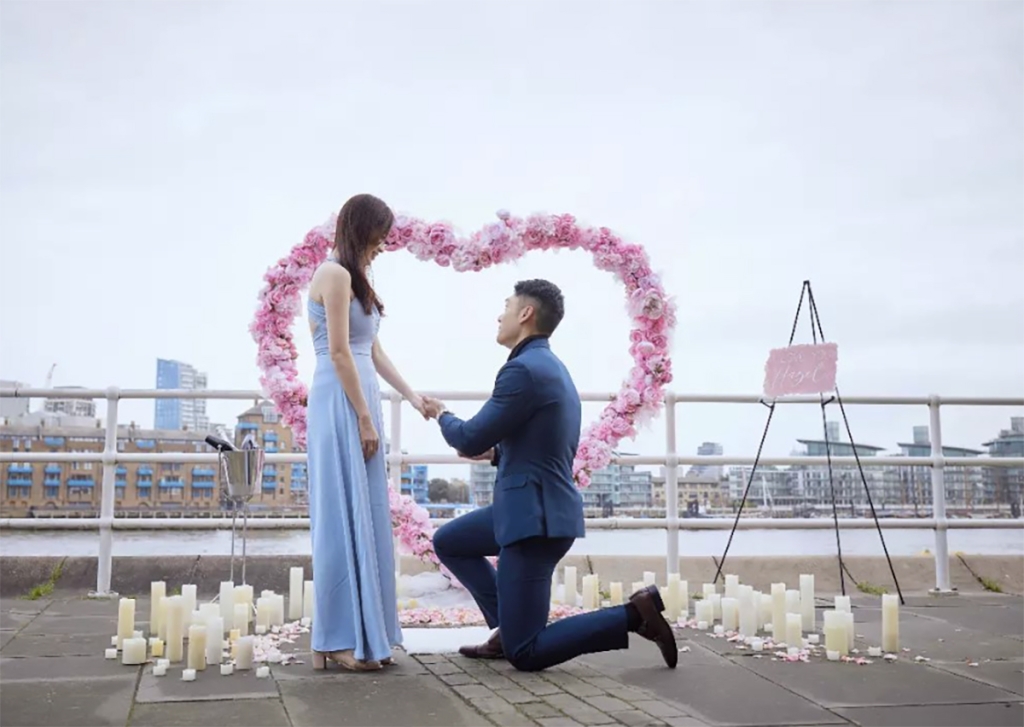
{"x": 345, "y": 659}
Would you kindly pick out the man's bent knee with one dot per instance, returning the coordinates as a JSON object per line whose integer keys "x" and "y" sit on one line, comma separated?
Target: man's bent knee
{"x": 444, "y": 540}
{"x": 524, "y": 660}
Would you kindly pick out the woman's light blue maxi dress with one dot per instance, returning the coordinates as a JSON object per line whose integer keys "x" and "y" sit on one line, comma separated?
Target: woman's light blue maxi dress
{"x": 350, "y": 518}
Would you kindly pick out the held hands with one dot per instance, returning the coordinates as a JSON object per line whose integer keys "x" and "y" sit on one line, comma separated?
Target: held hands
{"x": 482, "y": 457}
{"x": 432, "y": 408}
{"x": 419, "y": 404}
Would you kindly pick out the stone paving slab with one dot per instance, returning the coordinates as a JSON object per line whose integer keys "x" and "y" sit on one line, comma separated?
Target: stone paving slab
{"x": 957, "y": 715}
{"x": 246, "y": 713}
{"x": 208, "y": 685}
{"x": 85, "y": 702}
{"x": 1008, "y": 675}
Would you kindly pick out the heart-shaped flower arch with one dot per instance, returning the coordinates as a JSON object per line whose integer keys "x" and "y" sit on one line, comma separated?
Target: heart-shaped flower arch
{"x": 652, "y": 313}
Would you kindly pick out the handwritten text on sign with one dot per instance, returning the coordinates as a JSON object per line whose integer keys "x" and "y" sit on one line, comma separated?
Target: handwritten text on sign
{"x": 804, "y": 369}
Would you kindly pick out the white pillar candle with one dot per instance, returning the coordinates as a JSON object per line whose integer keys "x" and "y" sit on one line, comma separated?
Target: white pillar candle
{"x": 279, "y": 609}
{"x": 835, "y": 633}
{"x": 793, "y": 601}
{"x": 263, "y": 608}
{"x": 197, "y": 647}
{"x": 807, "y": 601}
{"x": 227, "y": 670}
{"x": 730, "y": 614}
{"x": 650, "y": 578}
{"x": 188, "y": 675}
{"x": 164, "y": 606}
{"x": 637, "y": 586}
{"x": 262, "y": 672}
{"x": 157, "y": 590}
{"x": 295, "y": 576}
{"x": 260, "y": 629}
{"x": 702, "y": 625}
{"x": 227, "y": 601}
{"x": 244, "y": 652}
{"x": 779, "y": 611}
{"x": 159, "y": 670}
{"x": 732, "y": 586}
{"x": 708, "y": 589}
{"x": 308, "y": 599}
{"x": 125, "y": 620}
{"x": 851, "y": 634}
{"x": 842, "y": 603}
{"x": 813, "y": 639}
{"x": 684, "y": 599}
{"x": 719, "y": 629}
{"x": 794, "y": 636}
{"x": 715, "y": 599}
{"x": 188, "y": 592}
{"x": 590, "y": 596}
{"x": 832, "y": 655}
{"x": 156, "y": 647}
{"x": 764, "y": 609}
{"x": 672, "y": 598}
{"x": 242, "y": 618}
{"x": 756, "y": 644}
{"x": 570, "y": 591}
{"x": 556, "y": 597}
{"x": 243, "y": 594}
{"x": 175, "y": 627}
{"x": 214, "y": 639}
{"x": 110, "y": 653}
{"x": 890, "y": 623}
{"x": 615, "y": 597}
{"x": 747, "y": 611}
{"x": 136, "y": 634}
{"x": 705, "y": 611}
{"x": 875, "y": 651}
{"x": 208, "y": 611}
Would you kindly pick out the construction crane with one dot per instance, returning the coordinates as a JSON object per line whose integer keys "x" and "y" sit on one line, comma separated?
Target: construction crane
{"x": 49, "y": 376}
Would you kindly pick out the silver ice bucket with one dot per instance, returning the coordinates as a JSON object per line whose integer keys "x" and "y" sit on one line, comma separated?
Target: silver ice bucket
{"x": 243, "y": 473}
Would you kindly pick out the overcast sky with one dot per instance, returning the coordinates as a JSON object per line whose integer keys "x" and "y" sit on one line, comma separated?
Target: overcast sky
{"x": 157, "y": 157}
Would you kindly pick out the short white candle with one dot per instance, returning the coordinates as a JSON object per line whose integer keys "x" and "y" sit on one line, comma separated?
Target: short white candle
{"x": 260, "y": 629}
{"x": 125, "y": 620}
{"x": 793, "y": 650}
{"x": 793, "y": 601}
{"x": 227, "y": 601}
{"x": 188, "y": 675}
{"x": 306, "y": 620}
{"x": 875, "y": 651}
{"x": 110, "y": 653}
{"x": 263, "y": 609}
{"x": 278, "y": 602}
{"x": 244, "y": 652}
{"x": 705, "y": 611}
{"x": 835, "y": 632}
{"x": 159, "y": 670}
{"x": 227, "y": 670}
{"x": 730, "y": 614}
{"x": 308, "y": 599}
{"x": 133, "y": 651}
{"x": 242, "y": 618}
{"x": 842, "y": 603}
{"x": 702, "y": 625}
{"x": 589, "y": 592}
{"x": 779, "y": 610}
{"x": 813, "y": 639}
{"x": 113, "y": 641}
{"x": 732, "y": 586}
{"x": 165, "y": 663}
{"x": 175, "y": 628}
{"x": 850, "y": 629}
{"x": 719, "y": 630}
{"x": 708, "y": 589}
{"x": 794, "y": 637}
{"x": 214, "y": 639}
{"x": 890, "y": 623}
{"x": 156, "y": 647}
{"x": 136, "y": 634}
{"x": 650, "y": 578}
{"x": 188, "y": 592}
{"x": 262, "y": 672}
{"x": 615, "y": 596}
{"x": 197, "y": 647}
{"x": 832, "y": 655}
{"x": 756, "y": 644}
{"x": 295, "y": 577}
{"x": 570, "y": 591}
{"x": 637, "y": 586}
{"x": 715, "y": 599}
{"x": 807, "y": 600}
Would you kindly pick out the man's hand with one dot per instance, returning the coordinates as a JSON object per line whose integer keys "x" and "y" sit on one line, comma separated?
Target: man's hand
{"x": 432, "y": 408}
{"x": 482, "y": 457}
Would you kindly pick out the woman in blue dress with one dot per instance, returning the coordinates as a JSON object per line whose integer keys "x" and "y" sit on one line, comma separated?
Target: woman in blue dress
{"x": 355, "y": 618}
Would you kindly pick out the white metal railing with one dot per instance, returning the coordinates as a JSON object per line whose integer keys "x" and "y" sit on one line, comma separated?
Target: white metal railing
{"x": 111, "y": 457}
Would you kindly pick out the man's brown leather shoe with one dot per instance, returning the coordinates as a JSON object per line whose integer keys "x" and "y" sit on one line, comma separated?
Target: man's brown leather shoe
{"x": 653, "y": 625}
{"x": 491, "y": 649}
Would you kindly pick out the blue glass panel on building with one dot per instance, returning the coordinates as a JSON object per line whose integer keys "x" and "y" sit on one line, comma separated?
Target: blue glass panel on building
{"x": 202, "y": 484}
{"x": 19, "y": 480}
{"x": 246, "y": 426}
{"x": 53, "y": 441}
{"x": 81, "y": 482}
{"x": 144, "y": 484}
{"x": 121, "y": 469}
{"x": 170, "y": 484}
{"x": 202, "y": 472}
{"x": 145, "y": 470}
{"x": 52, "y": 469}
{"x": 23, "y": 468}
{"x": 270, "y": 437}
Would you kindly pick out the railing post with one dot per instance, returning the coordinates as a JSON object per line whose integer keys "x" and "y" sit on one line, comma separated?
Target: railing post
{"x": 395, "y": 463}
{"x": 105, "y": 562}
{"x": 671, "y": 484}
{"x": 939, "y": 498}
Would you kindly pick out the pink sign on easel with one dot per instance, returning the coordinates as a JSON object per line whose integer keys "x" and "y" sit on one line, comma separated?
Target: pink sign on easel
{"x": 802, "y": 369}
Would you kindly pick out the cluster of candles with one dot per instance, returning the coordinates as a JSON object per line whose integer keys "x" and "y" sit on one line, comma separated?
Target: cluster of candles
{"x": 181, "y": 630}
{"x": 788, "y": 614}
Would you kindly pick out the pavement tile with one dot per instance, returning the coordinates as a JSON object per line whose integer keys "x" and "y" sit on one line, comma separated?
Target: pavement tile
{"x": 49, "y": 668}
{"x": 209, "y": 685}
{"x": 1008, "y": 675}
{"x": 57, "y": 645}
{"x": 1008, "y": 714}
{"x": 227, "y": 713}
{"x": 47, "y": 625}
{"x": 84, "y": 702}
{"x": 424, "y": 701}
{"x": 636, "y": 718}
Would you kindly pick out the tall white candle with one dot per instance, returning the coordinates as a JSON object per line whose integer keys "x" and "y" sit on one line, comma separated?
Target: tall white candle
{"x": 244, "y": 652}
{"x": 637, "y": 586}
{"x": 764, "y": 610}
{"x": 188, "y": 592}
{"x": 807, "y": 601}
{"x": 589, "y": 592}
{"x": 125, "y": 620}
{"x": 175, "y": 628}
{"x": 732, "y": 586}
{"x": 708, "y": 589}
{"x": 747, "y": 611}
{"x": 214, "y": 639}
{"x": 793, "y": 601}
{"x": 295, "y": 576}
{"x": 556, "y": 598}
{"x": 650, "y": 578}
{"x": 157, "y": 590}
{"x": 851, "y": 634}
{"x": 890, "y": 623}
{"x": 308, "y": 599}
{"x": 133, "y": 651}
{"x": 227, "y": 601}
{"x": 843, "y": 603}
{"x": 242, "y": 618}
{"x": 263, "y": 608}
{"x": 704, "y": 611}
{"x": 615, "y": 591}
{"x": 165, "y": 603}
{"x": 730, "y": 614}
{"x": 243, "y": 594}
{"x": 794, "y": 637}
{"x": 684, "y": 599}
{"x": 278, "y": 602}
{"x": 569, "y": 577}
{"x": 779, "y": 611}
{"x": 715, "y": 599}
{"x": 835, "y": 633}
{"x": 672, "y": 597}
{"x": 197, "y": 647}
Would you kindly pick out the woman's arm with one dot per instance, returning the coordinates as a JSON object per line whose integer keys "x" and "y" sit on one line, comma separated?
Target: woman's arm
{"x": 337, "y": 299}
{"x": 390, "y": 374}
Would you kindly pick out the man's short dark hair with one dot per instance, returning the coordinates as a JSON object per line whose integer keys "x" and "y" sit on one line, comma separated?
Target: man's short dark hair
{"x": 547, "y": 301}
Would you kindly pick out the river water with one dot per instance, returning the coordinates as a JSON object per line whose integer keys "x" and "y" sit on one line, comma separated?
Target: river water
{"x": 597, "y": 542}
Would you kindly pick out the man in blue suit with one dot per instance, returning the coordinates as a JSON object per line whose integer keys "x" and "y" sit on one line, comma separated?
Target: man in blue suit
{"x": 530, "y": 429}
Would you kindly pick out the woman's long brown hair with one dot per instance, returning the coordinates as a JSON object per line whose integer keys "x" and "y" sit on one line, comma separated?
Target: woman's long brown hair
{"x": 364, "y": 221}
